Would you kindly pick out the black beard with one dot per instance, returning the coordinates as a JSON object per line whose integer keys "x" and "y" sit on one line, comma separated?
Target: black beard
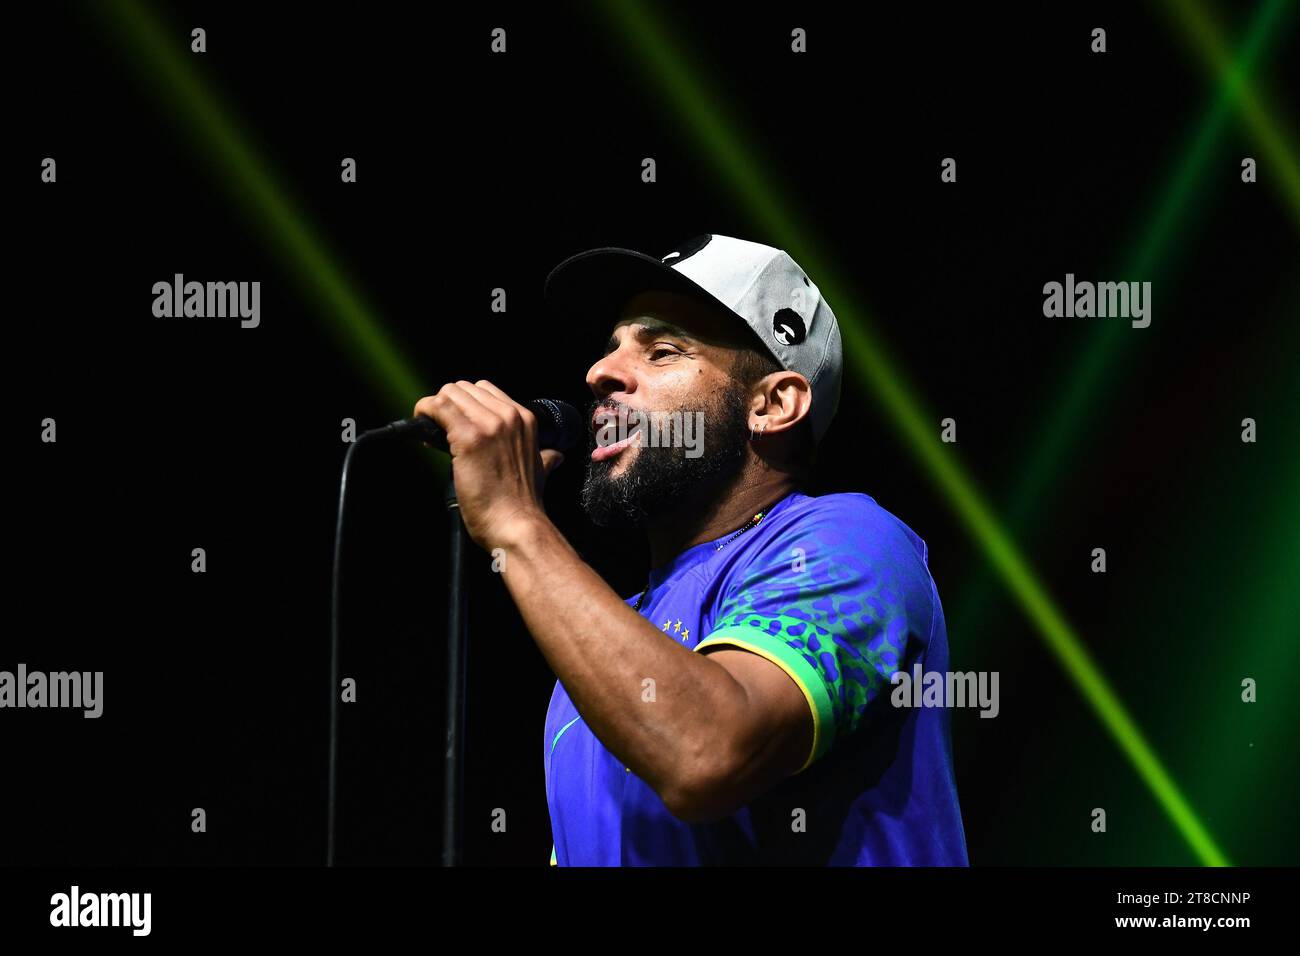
{"x": 662, "y": 478}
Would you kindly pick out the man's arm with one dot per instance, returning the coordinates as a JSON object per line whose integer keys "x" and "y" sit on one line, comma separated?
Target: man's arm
{"x": 723, "y": 726}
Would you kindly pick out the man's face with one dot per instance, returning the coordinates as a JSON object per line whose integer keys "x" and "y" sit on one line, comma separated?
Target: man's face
{"x": 668, "y": 360}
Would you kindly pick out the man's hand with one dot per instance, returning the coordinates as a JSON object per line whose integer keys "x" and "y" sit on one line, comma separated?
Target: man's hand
{"x": 498, "y": 471}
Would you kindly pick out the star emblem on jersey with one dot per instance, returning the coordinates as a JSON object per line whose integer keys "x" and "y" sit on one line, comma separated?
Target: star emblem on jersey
{"x": 684, "y": 631}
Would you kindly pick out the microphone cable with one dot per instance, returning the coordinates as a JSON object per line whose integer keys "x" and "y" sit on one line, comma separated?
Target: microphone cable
{"x": 560, "y": 426}
{"x": 399, "y": 428}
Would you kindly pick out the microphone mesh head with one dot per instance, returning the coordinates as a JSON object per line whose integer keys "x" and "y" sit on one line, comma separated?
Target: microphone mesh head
{"x": 559, "y": 425}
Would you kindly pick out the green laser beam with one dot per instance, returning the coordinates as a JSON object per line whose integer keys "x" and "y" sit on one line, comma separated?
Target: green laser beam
{"x": 739, "y": 169}
{"x": 355, "y": 325}
{"x": 1083, "y": 391}
{"x": 1263, "y": 614}
{"x": 1261, "y": 117}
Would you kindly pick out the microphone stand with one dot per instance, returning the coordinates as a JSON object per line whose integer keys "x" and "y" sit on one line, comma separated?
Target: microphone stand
{"x": 565, "y": 425}
{"x": 457, "y": 652}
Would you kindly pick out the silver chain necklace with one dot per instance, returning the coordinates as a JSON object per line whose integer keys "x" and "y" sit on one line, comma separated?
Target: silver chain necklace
{"x": 751, "y": 523}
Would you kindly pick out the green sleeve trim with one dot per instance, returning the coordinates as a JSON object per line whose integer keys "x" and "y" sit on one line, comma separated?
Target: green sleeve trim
{"x": 796, "y": 666}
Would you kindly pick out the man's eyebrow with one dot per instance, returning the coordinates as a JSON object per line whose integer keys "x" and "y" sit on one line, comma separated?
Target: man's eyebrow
{"x": 649, "y": 330}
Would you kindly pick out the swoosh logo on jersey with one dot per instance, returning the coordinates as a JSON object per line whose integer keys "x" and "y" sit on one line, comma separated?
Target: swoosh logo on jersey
{"x": 562, "y": 730}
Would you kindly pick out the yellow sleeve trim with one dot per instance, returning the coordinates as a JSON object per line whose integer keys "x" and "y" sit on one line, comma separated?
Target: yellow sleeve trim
{"x": 799, "y": 670}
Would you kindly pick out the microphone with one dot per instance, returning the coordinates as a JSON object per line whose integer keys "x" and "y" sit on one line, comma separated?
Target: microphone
{"x": 559, "y": 426}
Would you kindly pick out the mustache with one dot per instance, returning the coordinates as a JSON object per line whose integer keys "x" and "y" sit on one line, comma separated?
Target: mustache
{"x": 614, "y": 423}
{"x": 614, "y": 408}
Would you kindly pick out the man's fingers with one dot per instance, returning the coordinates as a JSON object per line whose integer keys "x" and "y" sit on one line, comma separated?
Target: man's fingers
{"x": 499, "y": 404}
{"x": 456, "y": 411}
{"x": 526, "y": 413}
{"x": 479, "y": 404}
{"x": 489, "y": 401}
{"x": 492, "y": 390}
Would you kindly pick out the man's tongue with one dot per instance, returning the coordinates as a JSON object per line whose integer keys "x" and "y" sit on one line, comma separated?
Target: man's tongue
{"x": 602, "y": 452}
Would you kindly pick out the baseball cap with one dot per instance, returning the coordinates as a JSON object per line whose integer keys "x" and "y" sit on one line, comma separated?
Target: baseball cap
{"x": 762, "y": 286}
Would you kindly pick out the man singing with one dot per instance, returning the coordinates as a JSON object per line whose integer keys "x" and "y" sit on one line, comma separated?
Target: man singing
{"x": 738, "y": 710}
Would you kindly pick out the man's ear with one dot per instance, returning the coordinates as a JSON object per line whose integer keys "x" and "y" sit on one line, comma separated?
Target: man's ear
{"x": 781, "y": 400}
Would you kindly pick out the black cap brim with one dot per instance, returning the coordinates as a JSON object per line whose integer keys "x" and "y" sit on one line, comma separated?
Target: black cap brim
{"x": 592, "y": 287}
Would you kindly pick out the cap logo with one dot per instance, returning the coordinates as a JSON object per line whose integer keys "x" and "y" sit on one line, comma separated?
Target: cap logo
{"x": 788, "y": 327}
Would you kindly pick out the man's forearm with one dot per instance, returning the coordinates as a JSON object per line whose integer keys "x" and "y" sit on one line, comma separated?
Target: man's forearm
{"x": 603, "y": 652}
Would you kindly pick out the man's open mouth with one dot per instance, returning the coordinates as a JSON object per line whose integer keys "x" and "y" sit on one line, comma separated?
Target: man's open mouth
{"x": 613, "y": 433}
{"x": 609, "y": 450}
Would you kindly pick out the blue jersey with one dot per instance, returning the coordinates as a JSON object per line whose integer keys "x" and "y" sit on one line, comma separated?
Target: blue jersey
{"x": 835, "y": 591}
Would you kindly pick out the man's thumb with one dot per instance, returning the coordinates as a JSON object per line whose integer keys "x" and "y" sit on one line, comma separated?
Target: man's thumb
{"x": 551, "y": 459}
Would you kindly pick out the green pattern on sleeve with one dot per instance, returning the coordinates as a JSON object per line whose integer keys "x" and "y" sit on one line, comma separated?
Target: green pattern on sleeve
{"x": 835, "y": 622}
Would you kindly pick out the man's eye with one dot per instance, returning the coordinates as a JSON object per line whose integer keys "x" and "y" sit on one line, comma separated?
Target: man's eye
{"x": 659, "y": 353}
